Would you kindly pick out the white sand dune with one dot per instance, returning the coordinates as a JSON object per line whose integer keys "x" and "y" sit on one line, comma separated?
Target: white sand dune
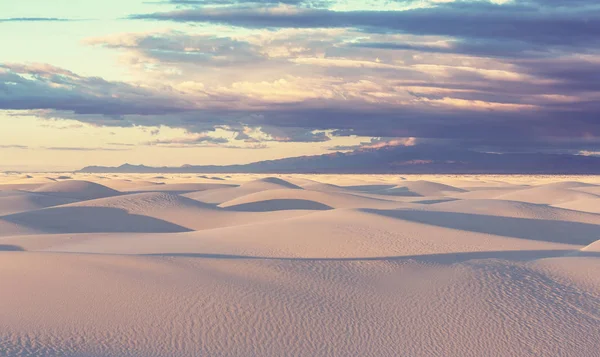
{"x": 340, "y": 234}
{"x": 177, "y": 187}
{"x": 19, "y": 201}
{"x": 64, "y": 219}
{"x": 323, "y": 187}
{"x": 579, "y": 271}
{"x": 591, "y": 205}
{"x": 525, "y": 228}
{"x": 593, "y": 189}
{"x": 517, "y": 210}
{"x": 182, "y": 211}
{"x": 75, "y": 189}
{"x": 8, "y": 228}
{"x": 426, "y": 188}
{"x": 546, "y": 195}
{"x": 594, "y": 247}
{"x": 482, "y": 193}
{"x": 326, "y": 199}
{"x": 144, "y": 306}
{"x": 128, "y": 185}
{"x": 229, "y": 193}
{"x": 299, "y": 265}
{"x": 418, "y": 188}
{"x": 28, "y": 179}
{"x": 19, "y": 186}
{"x": 569, "y": 185}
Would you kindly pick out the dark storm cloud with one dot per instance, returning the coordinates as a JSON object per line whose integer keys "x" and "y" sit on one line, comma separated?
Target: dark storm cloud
{"x": 512, "y": 49}
{"x": 570, "y": 74}
{"x": 387, "y": 121}
{"x": 34, "y": 87}
{"x": 548, "y": 127}
{"x": 532, "y": 22}
{"x": 307, "y": 3}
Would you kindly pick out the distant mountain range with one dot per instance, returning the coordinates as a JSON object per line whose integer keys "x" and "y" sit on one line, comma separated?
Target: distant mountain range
{"x": 402, "y": 160}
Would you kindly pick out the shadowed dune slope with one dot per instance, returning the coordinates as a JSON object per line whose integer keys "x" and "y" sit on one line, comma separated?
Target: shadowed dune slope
{"x": 278, "y": 204}
{"x": 65, "y": 219}
{"x": 8, "y": 228}
{"x": 178, "y": 188}
{"x": 19, "y": 201}
{"x": 524, "y": 228}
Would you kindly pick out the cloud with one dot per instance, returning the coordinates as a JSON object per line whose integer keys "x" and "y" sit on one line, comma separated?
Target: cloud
{"x": 201, "y": 139}
{"x": 69, "y": 148}
{"x": 292, "y": 134}
{"x": 178, "y": 47}
{"x": 487, "y": 48}
{"x": 204, "y": 142}
{"x": 22, "y": 147}
{"x": 521, "y": 75}
{"x": 35, "y": 19}
{"x": 121, "y": 144}
{"x": 455, "y": 110}
{"x": 307, "y": 3}
{"x": 66, "y": 148}
{"x": 527, "y": 21}
{"x": 41, "y": 86}
{"x": 376, "y": 143}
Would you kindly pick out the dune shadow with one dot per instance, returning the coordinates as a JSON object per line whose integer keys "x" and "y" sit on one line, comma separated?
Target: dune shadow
{"x": 181, "y": 189}
{"x": 524, "y": 228}
{"x": 91, "y": 220}
{"x": 368, "y": 188}
{"x": 433, "y": 202}
{"x": 10, "y": 248}
{"x": 158, "y": 190}
{"x": 279, "y": 205}
{"x": 442, "y": 258}
{"x": 387, "y": 190}
{"x": 211, "y": 178}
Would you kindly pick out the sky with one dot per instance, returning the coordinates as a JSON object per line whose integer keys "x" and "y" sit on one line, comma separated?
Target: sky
{"x": 174, "y": 82}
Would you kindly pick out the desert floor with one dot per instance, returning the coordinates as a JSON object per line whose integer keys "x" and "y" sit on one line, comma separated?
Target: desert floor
{"x": 299, "y": 265}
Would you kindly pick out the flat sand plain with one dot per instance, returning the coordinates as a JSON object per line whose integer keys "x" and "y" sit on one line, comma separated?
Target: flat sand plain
{"x": 299, "y": 265}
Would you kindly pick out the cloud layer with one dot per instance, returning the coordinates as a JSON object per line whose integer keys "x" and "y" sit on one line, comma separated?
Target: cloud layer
{"x": 502, "y": 76}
